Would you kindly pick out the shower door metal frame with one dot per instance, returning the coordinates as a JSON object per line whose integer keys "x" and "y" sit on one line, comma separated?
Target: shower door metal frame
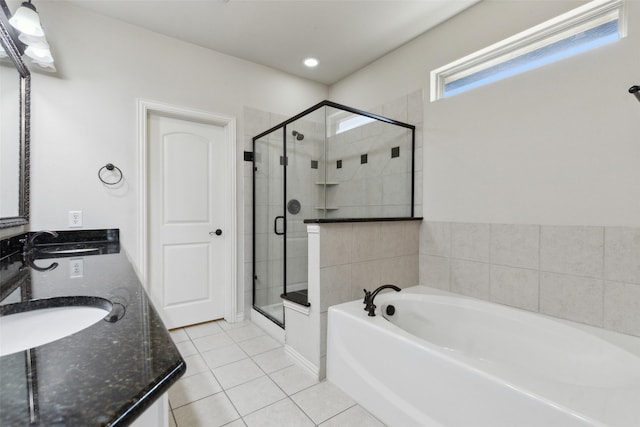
{"x": 283, "y": 125}
{"x": 275, "y": 224}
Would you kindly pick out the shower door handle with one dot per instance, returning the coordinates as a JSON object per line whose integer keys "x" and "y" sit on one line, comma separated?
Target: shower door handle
{"x": 275, "y": 225}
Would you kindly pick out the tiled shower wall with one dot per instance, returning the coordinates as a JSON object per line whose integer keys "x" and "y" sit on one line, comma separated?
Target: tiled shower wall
{"x": 407, "y": 109}
{"x": 585, "y": 274}
{"x": 368, "y": 171}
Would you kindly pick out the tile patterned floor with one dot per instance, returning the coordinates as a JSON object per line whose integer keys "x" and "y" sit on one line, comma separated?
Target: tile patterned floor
{"x": 237, "y": 375}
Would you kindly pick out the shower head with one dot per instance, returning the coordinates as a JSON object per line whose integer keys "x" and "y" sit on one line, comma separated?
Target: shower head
{"x": 636, "y": 91}
{"x": 297, "y": 135}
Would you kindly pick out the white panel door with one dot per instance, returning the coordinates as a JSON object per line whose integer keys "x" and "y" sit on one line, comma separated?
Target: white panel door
{"x": 189, "y": 265}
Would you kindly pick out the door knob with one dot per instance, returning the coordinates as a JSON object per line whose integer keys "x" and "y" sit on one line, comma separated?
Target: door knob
{"x": 218, "y": 232}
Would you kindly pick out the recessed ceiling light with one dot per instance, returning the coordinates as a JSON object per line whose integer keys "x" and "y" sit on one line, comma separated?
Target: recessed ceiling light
{"x": 310, "y": 62}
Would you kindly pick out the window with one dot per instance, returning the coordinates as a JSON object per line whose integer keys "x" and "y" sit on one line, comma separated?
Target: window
{"x": 581, "y": 29}
{"x": 352, "y": 122}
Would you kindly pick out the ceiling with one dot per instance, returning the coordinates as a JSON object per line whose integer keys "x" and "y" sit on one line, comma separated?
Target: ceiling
{"x": 344, "y": 35}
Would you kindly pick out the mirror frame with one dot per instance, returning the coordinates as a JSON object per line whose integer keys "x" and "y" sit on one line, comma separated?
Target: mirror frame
{"x": 13, "y": 48}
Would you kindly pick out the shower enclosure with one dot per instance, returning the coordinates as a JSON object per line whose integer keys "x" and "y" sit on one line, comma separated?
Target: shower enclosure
{"x": 330, "y": 163}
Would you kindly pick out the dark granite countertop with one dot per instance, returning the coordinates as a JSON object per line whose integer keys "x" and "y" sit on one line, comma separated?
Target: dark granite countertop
{"x": 104, "y": 375}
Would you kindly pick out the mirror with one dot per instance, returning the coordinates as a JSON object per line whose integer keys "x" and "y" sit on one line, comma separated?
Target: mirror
{"x": 15, "y": 82}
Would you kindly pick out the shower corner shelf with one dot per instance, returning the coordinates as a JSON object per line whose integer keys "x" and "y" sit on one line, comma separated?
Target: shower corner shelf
{"x": 327, "y": 183}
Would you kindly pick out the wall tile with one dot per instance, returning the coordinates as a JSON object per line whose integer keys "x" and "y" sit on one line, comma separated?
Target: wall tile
{"x": 515, "y": 245}
{"x": 470, "y": 278}
{"x": 418, "y": 160}
{"x": 419, "y": 135}
{"x": 622, "y": 254}
{"x": 396, "y": 190}
{"x": 622, "y": 307}
{"x": 470, "y": 241}
{"x": 409, "y": 273}
{"x": 435, "y": 238}
{"x": 336, "y": 244}
{"x": 417, "y": 195}
{"x": 392, "y": 211}
{"x": 248, "y": 301}
{"x": 517, "y": 287}
{"x": 364, "y": 275}
{"x": 412, "y": 237}
{"x": 248, "y": 247}
{"x": 392, "y": 239}
{"x": 366, "y": 242}
{"x": 324, "y": 317}
{"x": 434, "y": 271}
{"x": 572, "y": 297}
{"x": 572, "y": 250}
{"x": 255, "y": 121}
{"x": 398, "y": 271}
{"x": 396, "y": 109}
{"x": 335, "y": 286}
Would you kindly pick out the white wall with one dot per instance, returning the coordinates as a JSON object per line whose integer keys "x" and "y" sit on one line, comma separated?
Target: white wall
{"x": 85, "y": 116}
{"x": 557, "y": 145}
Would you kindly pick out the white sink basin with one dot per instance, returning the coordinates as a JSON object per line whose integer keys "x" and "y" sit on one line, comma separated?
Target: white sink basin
{"x": 28, "y": 329}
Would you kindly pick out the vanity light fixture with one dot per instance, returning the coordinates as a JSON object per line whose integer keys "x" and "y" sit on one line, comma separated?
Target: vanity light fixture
{"x": 33, "y": 41}
{"x": 310, "y": 62}
{"x": 27, "y": 21}
{"x": 39, "y": 54}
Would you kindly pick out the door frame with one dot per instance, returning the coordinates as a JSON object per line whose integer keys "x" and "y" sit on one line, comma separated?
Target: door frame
{"x": 146, "y": 107}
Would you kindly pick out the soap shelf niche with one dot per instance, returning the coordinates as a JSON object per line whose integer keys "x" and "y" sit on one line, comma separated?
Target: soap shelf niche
{"x": 321, "y": 202}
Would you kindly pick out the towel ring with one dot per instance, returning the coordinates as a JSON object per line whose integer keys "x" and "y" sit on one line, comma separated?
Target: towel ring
{"x": 110, "y": 167}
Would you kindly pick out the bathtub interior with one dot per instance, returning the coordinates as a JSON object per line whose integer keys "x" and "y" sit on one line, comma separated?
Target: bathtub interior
{"x": 468, "y": 368}
{"x": 493, "y": 336}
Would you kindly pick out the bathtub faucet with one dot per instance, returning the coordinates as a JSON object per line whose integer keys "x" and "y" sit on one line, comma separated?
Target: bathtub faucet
{"x": 369, "y": 296}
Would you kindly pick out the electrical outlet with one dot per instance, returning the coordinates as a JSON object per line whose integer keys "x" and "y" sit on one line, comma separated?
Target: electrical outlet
{"x": 75, "y": 218}
{"x": 76, "y": 267}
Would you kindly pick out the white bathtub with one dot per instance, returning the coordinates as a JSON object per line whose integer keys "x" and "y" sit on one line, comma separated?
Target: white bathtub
{"x": 444, "y": 360}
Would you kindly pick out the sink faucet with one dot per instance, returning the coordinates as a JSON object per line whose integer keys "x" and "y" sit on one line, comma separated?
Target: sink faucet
{"x": 369, "y": 296}
{"x": 29, "y": 243}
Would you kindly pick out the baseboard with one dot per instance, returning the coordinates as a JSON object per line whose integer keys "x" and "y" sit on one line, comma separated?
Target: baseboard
{"x": 302, "y": 361}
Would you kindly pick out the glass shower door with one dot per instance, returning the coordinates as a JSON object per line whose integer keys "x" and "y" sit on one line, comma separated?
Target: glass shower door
{"x": 269, "y": 225}
{"x": 304, "y": 149}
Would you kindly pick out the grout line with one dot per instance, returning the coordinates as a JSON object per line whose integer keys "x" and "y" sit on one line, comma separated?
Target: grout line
{"x": 260, "y": 409}
{"x": 307, "y": 415}
{"x": 604, "y": 273}
{"x": 231, "y": 422}
{"x": 450, "y": 256}
{"x": 345, "y": 410}
{"x": 539, "y": 266}
{"x": 197, "y": 400}
{"x": 172, "y": 416}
